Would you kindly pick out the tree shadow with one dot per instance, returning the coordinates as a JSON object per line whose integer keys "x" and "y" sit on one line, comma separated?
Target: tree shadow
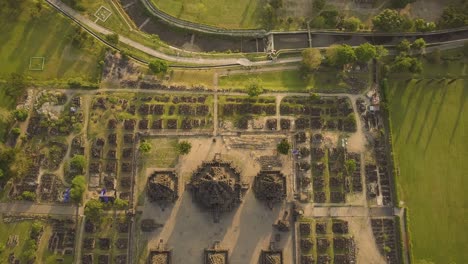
{"x": 463, "y": 99}
{"x": 193, "y": 230}
{"x": 420, "y": 95}
{"x": 397, "y": 102}
{"x": 436, "y": 120}
{"x": 254, "y": 230}
{"x": 426, "y": 114}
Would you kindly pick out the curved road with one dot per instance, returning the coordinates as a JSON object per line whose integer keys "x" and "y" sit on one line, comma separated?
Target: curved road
{"x": 93, "y": 28}
{"x": 88, "y": 24}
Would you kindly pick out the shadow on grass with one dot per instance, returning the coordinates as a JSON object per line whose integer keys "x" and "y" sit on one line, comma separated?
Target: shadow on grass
{"x": 463, "y": 99}
{"x": 436, "y": 120}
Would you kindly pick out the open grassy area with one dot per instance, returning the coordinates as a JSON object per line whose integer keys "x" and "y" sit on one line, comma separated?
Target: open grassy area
{"x": 7, "y": 103}
{"x": 191, "y": 77}
{"x": 430, "y": 133}
{"x": 234, "y": 14}
{"x": 292, "y": 81}
{"x": 22, "y": 229}
{"x": 163, "y": 153}
{"x": 46, "y": 35}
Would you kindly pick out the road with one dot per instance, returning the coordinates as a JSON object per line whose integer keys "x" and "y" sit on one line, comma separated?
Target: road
{"x": 88, "y": 24}
{"x": 94, "y": 28}
{"x": 35, "y": 208}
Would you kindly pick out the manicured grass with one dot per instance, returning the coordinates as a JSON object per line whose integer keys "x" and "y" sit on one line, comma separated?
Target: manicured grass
{"x": 291, "y": 81}
{"x": 192, "y": 77}
{"x": 220, "y": 13}
{"x": 430, "y": 134}
{"x": 46, "y": 35}
{"x": 163, "y": 153}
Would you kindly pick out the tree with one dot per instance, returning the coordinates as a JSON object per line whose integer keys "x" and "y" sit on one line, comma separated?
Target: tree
{"x": 78, "y": 188}
{"x": 352, "y": 24}
{"x": 419, "y": 44}
{"x": 93, "y": 210}
{"x": 120, "y": 204}
{"x": 20, "y": 114}
{"x": 391, "y": 21}
{"x": 145, "y": 146}
{"x": 381, "y": 51}
{"x": 157, "y": 66}
{"x": 318, "y": 5}
{"x": 254, "y": 87}
{"x": 29, "y": 250}
{"x": 404, "y": 46}
{"x": 283, "y": 147}
{"x": 2, "y": 174}
{"x": 423, "y": 26}
{"x": 365, "y": 52}
{"x": 78, "y": 163}
{"x": 340, "y": 55}
{"x": 454, "y": 17}
{"x": 276, "y": 4}
{"x": 331, "y": 18}
{"x": 28, "y": 196}
{"x": 401, "y": 3}
{"x": 404, "y": 63}
{"x": 36, "y": 229}
{"x": 113, "y": 38}
{"x": 183, "y": 147}
{"x": 350, "y": 166}
{"x": 311, "y": 59}
{"x": 16, "y": 131}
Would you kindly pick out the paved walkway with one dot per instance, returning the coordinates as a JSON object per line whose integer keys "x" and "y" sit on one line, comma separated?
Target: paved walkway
{"x": 35, "y": 208}
{"x": 348, "y": 211}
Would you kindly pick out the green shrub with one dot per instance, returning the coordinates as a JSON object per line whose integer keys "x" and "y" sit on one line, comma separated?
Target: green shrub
{"x": 183, "y": 147}
{"x": 158, "y": 66}
{"x": 28, "y": 196}
{"x": 283, "y": 147}
{"x": 20, "y": 114}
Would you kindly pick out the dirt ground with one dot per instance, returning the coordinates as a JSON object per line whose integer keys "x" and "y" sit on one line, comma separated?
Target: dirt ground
{"x": 188, "y": 229}
{"x": 367, "y": 251}
{"x": 429, "y": 10}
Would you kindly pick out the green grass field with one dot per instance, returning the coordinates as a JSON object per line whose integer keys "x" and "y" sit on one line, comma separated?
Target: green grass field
{"x": 220, "y": 13}
{"x": 45, "y": 35}
{"x": 291, "y": 81}
{"x": 430, "y": 133}
{"x": 7, "y": 103}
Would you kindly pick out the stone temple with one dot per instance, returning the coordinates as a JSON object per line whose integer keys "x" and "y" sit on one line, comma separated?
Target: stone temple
{"x": 163, "y": 186}
{"x": 270, "y": 186}
{"x": 216, "y": 186}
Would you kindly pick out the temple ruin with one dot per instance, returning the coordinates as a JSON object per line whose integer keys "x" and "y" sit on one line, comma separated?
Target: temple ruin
{"x": 216, "y": 185}
{"x": 163, "y": 186}
{"x": 270, "y": 186}
{"x": 216, "y": 255}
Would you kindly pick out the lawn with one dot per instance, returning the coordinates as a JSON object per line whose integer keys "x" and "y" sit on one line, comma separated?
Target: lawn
{"x": 47, "y": 35}
{"x": 22, "y": 229}
{"x": 163, "y": 153}
{"x": 430, "y": 133}
{"x": 191, "y": 77}
{"x": 291, "y": 81}
{"x": 220, "y": 13}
